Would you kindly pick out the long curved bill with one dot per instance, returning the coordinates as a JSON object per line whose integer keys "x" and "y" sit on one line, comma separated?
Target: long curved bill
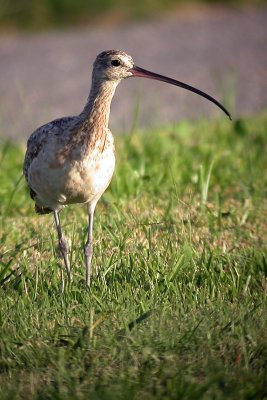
{"x": 140, "y": 72}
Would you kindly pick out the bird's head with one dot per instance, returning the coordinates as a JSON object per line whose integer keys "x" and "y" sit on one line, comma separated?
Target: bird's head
{"x": 115, "y": 65}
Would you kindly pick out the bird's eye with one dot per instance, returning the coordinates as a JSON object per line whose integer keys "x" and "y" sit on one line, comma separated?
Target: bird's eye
{"x": 115, "y": 63}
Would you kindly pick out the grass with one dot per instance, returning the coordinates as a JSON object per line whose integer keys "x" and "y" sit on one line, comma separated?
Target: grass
{"x": 177, "y": 305}
{"x": 31, "y": 15}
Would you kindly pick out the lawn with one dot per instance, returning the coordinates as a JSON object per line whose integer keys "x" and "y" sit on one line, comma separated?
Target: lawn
{"x": 33, "y": 15}
{"x": 177, "y": 304}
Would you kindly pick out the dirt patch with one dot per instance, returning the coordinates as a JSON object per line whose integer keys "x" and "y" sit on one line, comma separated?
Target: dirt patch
{"x": 221, "y": 51}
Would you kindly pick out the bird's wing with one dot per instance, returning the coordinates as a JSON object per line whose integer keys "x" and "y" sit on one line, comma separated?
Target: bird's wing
{"x": 42, "y": 135}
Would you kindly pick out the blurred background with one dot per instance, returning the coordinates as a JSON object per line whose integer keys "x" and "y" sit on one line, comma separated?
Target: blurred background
{"x": 47, "y": 48}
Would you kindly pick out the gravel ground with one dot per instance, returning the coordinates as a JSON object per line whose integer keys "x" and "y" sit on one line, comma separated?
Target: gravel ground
{"x": 222, "y": 51}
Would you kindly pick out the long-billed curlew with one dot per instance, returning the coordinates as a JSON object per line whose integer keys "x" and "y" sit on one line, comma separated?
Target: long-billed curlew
{"x": 71, "y": 159}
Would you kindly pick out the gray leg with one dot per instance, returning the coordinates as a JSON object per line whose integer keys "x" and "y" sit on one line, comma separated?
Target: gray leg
{"x": 88, "y": 248}
{"x": 63, "y": 245}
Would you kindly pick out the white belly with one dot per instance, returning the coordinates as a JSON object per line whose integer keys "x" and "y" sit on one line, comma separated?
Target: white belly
{"x": 72, "y": 182}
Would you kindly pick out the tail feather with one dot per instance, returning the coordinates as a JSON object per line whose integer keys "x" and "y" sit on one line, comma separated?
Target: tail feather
{"x": 39, "y": 209}
{"x": 42, "y": 210}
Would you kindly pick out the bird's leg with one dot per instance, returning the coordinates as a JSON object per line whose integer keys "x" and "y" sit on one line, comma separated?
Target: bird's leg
{"x": 63, "y": 245}
{"x": 88, "y": 248}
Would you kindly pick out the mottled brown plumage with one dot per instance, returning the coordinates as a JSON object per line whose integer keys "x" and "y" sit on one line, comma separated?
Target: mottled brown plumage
{"x": 71, "y": 159}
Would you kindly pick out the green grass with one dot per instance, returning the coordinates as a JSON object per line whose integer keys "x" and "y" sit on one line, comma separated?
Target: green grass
{"x": 42, "y": 14}
{"x": 177, "y": 305}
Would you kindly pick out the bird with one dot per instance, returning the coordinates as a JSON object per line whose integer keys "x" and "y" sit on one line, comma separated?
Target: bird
{"x": 71, "y": 160}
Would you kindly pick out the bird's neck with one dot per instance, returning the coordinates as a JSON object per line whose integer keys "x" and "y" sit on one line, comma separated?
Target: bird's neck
{"x": 95, "y": 115}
